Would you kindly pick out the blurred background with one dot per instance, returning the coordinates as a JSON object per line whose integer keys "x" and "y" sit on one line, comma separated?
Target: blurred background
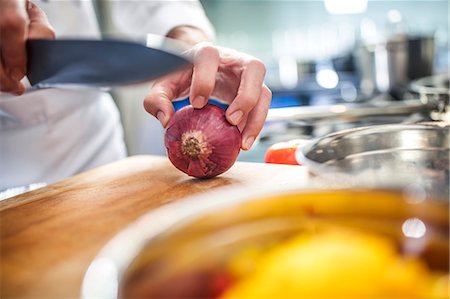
{"x": 321, "y": 56}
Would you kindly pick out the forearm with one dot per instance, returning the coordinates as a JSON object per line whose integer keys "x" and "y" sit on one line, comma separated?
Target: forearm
{"x": 188, "y": 34}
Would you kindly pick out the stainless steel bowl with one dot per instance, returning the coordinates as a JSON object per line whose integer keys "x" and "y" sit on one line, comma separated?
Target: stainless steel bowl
{"x": 181, "y": 250}
{"x": 384, "y": 155}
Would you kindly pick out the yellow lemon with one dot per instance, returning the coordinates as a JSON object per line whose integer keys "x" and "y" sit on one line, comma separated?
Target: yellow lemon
{"x": 334, "y": 263}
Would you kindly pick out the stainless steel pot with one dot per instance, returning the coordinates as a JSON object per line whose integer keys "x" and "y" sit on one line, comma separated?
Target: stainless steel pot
{"x": 389, "y": 66}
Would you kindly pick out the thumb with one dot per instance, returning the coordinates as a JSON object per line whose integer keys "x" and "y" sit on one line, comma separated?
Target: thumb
{"x": 158, "y": 103}
{"x": 39, "y": 26}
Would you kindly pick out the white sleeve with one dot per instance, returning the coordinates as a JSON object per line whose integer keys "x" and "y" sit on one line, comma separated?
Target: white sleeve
{"x": 158, "y": 16}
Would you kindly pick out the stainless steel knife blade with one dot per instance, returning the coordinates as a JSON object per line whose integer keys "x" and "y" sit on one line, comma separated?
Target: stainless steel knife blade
{"x": 97, "y": 63}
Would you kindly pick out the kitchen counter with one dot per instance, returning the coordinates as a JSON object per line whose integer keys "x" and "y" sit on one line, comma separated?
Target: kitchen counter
{"x": 49, "y": 236}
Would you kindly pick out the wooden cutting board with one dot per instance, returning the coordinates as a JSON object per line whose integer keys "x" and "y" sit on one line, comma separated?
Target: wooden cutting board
{"x": 49, "y": 236}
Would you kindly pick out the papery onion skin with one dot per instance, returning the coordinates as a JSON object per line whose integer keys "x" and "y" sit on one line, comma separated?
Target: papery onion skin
{"x": 201, "y": 142}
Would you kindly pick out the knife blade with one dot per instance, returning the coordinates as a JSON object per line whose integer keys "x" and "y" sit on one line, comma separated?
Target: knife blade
{"x": 97, "y": 63}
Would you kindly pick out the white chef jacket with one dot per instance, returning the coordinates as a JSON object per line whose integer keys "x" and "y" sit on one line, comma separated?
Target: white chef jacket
{"x": 49, "y": 134}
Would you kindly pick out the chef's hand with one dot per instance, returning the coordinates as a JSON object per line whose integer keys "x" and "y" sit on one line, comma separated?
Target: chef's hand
{"x": 19, "y": 21}
{"x": 226, "y": 74}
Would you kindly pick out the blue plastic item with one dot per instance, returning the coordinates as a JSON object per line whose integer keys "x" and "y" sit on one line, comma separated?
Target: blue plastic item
{"x": 178, "y": 104}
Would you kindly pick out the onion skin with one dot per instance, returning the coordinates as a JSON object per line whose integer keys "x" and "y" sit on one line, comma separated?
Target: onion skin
{"x": 201, "y": 142}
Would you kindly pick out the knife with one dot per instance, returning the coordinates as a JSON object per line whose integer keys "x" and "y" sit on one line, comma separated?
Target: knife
{"x": 98, "y": 63}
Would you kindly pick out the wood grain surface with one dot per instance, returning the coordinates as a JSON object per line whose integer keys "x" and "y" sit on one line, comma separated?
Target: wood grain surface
{"x": 50, "y": 235}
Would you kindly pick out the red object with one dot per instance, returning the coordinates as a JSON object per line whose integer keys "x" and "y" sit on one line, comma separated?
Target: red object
{"x": 201, "y": 142}
{"x": 220, "y": 283}
{"x": 284, "y": 152}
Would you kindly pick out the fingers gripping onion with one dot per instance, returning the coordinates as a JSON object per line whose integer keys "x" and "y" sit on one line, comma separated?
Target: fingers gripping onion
{"x": 201, "y": 142}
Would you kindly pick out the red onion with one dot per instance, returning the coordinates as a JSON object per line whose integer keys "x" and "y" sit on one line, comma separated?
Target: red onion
{"x": 201, "y": 142}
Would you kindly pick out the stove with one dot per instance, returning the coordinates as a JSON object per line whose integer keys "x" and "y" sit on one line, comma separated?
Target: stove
{"x": 307, "y": 117}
